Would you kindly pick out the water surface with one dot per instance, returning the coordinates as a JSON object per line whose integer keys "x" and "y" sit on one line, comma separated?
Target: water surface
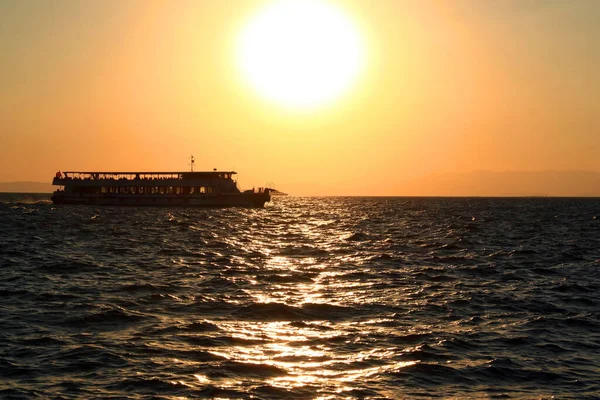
{"x": 307, "y": 298}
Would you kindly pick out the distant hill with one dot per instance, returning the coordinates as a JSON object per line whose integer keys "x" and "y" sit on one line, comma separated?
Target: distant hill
{"x": 26, "y": 187}
{"x": 510, "y": 183}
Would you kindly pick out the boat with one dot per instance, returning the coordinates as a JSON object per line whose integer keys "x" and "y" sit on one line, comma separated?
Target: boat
{"x": 177, "y": 189}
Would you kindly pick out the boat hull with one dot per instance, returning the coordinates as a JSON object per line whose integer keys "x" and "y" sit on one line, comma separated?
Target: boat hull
{"x": 253, "y": 200}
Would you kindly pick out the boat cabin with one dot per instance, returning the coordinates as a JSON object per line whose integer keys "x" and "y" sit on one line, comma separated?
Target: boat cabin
{"x": 156, "y": 183}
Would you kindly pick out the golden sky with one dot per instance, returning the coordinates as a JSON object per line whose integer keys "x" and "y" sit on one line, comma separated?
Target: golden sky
{"x": 444, "y": 87}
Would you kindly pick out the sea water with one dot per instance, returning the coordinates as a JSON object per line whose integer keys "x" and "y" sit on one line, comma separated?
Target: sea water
{"x": 354, "y": 297}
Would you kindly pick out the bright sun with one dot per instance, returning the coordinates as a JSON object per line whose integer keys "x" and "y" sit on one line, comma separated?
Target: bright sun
{"x": 301, "y": 54}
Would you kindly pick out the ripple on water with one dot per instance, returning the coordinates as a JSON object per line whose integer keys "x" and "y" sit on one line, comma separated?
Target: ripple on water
{"x": 307, "y": 298}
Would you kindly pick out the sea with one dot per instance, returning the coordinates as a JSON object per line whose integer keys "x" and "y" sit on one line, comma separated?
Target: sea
{"x": 307, "y": 298}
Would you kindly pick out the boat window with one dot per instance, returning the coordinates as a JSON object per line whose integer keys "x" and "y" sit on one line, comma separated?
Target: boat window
{"x": 192, "y": 190}
{"x": 209, "y": 189}
{"x": 202, "y": 189}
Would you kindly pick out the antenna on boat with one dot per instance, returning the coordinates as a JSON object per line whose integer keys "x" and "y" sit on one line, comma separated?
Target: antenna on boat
{"x": 192, "y": 161}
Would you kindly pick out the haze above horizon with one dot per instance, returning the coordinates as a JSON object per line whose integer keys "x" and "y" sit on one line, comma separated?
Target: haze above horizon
{"x": 353, "y": 98}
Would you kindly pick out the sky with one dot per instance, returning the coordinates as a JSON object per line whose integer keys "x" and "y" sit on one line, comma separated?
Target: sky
{"x": 446, "y": 87}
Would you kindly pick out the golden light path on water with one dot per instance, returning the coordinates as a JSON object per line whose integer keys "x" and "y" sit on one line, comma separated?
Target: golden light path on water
{"x": 292, "y": 274}
{"x": 291, "y": 347}
{"x": 300, "y": 352}
{"x": 301, "y": 349}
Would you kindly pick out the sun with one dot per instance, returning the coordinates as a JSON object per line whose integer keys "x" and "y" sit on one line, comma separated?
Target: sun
{"x": 300, "y": 54}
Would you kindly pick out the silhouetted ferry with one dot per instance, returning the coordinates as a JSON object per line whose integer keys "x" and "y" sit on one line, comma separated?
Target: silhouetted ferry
{"x": 194, "y": 189}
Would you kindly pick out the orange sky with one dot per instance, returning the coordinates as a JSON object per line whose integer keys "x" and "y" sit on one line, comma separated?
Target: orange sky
{"x": 448, "y": 87}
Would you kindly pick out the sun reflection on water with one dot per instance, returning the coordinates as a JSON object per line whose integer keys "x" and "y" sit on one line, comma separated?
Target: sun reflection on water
{"x": 305, "y": 362}
{"x": 294, "y": 328}
{"x": 309, "y": 353}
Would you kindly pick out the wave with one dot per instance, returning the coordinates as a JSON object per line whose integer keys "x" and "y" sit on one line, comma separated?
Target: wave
{"x": 108, "y": 319}
{"x": 297, "y": 278}
{"x": 283, "y": 312}
{"x": 42, "y": 341}
{"x": 506, "y": 370}
{"x": 240, "y": 369}
{"x": 430, "y": 374}
{"x": 69, "y": 266}
{"x": 11, "y": 370}
{"x": 87, "y": 358}
{"x": 425, "y": 353}
{"x": 149, "y": 386}
{"x": 221, "y": 341}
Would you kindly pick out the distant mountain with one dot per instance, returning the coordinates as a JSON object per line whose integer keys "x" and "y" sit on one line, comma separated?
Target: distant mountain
{"x": 509, "y": 183}
{"x": 26, "y": 187}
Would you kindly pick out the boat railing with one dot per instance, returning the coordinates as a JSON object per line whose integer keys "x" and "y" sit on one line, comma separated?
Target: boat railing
{"x": 116, "y": 176}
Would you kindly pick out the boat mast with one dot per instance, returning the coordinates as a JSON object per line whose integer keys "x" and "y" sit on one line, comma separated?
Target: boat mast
{"x": 192, "y": 161}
